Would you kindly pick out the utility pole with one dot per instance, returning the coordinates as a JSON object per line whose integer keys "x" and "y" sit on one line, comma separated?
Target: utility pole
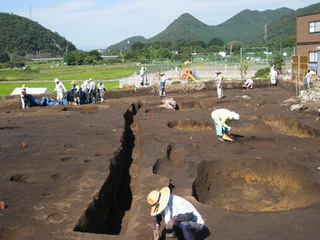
{"x": 30, "y": 12}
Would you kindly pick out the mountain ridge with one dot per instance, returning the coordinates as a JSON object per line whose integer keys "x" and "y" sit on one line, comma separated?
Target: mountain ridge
{"x": 22, "y": 35}
{"x": 248, "y": 26}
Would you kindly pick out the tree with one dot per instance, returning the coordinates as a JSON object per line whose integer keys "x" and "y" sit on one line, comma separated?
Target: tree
{"x": 243, "y": 69}
{"x": 137, "y": 45}
{"x": 278, "y": 62}
{"x": 216, "y": 42}
{"x": 163, "y": 53}
{"x": 4, "y": 57}
{"x": 234, "y": 46}
{"x": 79, "y": 57}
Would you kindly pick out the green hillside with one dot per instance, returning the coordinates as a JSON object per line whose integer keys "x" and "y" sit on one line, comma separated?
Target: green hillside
{"x": 126, "y": 44}
{"x": 248, "y": 25}
{"x": 21, "y": 35}
{"x": 284, "y": 29}
{"x": 245, "y": 27}
{"x": 185, "y": 27}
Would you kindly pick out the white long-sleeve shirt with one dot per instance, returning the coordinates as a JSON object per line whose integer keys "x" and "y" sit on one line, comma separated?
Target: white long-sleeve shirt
{"x": 178, "y": 205}
{"x": 60, "y": 88}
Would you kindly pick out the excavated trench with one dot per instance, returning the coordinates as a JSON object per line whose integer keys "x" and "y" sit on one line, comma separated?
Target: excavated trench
{"x": 190, "y": 125}
{"x": 105, "y": 214}
{"x": 255, "y": 186}
{"x": 290, "y": 126}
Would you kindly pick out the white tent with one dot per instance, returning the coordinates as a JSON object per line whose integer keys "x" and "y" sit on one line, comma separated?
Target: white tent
{"x": 32, "y": 91}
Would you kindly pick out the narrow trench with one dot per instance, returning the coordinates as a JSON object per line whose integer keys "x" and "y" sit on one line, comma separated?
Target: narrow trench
{"x": 105, "y": 213}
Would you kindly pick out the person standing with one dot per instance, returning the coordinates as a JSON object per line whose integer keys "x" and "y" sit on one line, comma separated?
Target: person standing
{"x": 73, "y": 97}
{"x": 162, "y": 85}
{"x": 177, "y": 212}
{"x": 219, "y": 83}
{"x": 273, "y": 76}
{"x": 85, "y": 89}
{"x": 60, "y": 89}
{"x": 221, "y": 118}
{"x": 307, "y": 79}
{"x": 142, "y": 75}
{"x": 92, "y": 91}
{"x": 101, "y": 91}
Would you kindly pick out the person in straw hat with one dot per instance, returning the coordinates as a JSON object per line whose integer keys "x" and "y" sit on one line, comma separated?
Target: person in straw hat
{"x": 178, "y": 214}
{"x": 73, "y": 94}
{"x": 220, "y": 118}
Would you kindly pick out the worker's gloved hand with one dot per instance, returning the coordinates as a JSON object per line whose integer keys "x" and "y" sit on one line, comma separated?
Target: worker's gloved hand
{"x": 171, "y": 223}
{"x": 229, "y": 129}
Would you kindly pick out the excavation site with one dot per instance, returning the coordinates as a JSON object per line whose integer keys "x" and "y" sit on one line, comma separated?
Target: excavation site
{"x": 84, "y": 172}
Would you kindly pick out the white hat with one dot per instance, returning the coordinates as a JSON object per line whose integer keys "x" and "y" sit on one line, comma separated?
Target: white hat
{"x": 158, "y": 200}
{"x": 56, "y": 80}
{"x": 235, "y": 116}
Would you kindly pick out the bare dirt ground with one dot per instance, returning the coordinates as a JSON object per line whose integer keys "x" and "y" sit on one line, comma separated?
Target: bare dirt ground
{"x": 84, "y": 172}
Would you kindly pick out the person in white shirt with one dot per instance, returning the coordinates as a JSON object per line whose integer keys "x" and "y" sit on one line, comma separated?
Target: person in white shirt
{"x": 177, "y": 213}
{"x": 60, "y": 89}
{"x": 101, "y": 91}
{"x": 221, "y": 118}
{"x": 162, "y": 85}
{"x": 219, "y": 84}
{"x": 142, "y": 75}
{"x": 248, "y": 84}
{"x": 85, "y": 89}
{"x": 307, "y": 79}
{"x": 92, "y": 91}
{"x": 273, "y": 76}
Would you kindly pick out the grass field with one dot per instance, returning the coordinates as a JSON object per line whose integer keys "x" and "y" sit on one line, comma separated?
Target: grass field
{"x": 48, "y": 72}
{"x": 7, "y": 88}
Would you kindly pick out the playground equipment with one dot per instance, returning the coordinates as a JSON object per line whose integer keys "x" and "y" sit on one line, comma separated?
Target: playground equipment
{"x": 187, "y": 73}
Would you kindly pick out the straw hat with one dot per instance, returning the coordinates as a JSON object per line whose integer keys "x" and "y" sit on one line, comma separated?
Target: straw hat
{"x": 56, "y": 80}
{"x": 158, "y": 200}
{"x": 74, "y": 82}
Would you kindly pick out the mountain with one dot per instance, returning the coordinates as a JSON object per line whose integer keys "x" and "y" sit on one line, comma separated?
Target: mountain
{"x": 126, "y": 44}
{"x": 22, "y": 35}
{"x": 248, "y": 25}
{"x": 245, "y": 26}
{"x": 285, "y": 28}
{"x": 185, "y": 27}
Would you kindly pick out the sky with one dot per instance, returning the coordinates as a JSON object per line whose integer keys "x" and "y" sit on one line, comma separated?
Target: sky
{"x": 97, "y": 24}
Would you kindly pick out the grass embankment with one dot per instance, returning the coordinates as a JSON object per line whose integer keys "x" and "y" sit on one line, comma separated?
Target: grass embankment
{"x": 48, "y": 72}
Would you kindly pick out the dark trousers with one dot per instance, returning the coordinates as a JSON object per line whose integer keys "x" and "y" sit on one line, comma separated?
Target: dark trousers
{"x": 189, "y": 229}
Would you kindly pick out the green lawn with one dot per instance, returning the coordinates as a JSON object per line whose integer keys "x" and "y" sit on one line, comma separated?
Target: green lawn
{"x": 49, "y": 71}
{"x": 7, "y": 88}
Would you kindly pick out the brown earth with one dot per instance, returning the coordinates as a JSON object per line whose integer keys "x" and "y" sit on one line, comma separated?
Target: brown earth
{"x": 84, "y": 172}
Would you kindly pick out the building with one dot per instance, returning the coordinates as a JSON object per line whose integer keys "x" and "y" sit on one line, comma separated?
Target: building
{"x": 308, "y": 45}
{"x": 308, "y": 37}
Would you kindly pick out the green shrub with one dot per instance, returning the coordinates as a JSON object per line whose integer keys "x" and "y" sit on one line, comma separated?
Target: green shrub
{"x": 263, "y": 73}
